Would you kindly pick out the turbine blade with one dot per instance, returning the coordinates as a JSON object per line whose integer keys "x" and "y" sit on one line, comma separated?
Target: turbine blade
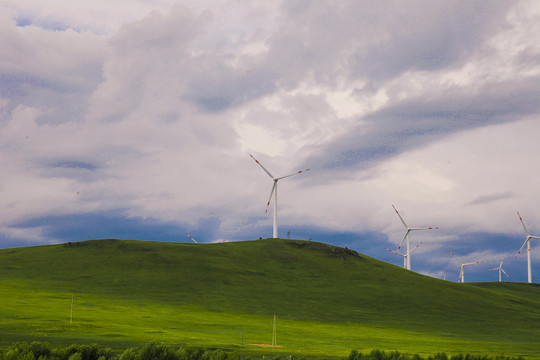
{"x": 521, "y": 248}
{"x": 428, "y": 228}
{"x": 270, "y": 197}
{"x": 505, "y": 273}
{"x": 266, "y": 171}
{"x": 406, "y": 233}
{"x": 522, "y": 223}
{"x": 195, "y": 241}
{"x": 395, "y": 252}
{"x": 459, "y": 261}
{"x": 296, "y": 173}
{"x": 403, "y": 221}
{"x": 416, "y": 247}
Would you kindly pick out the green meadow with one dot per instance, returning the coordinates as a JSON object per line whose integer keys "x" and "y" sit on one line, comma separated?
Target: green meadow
{"x": 328, "y": 300}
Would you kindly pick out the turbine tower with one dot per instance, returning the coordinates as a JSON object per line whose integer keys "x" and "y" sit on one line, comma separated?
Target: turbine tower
{"x": 500, "y": 269}
{"x": 461, "y": 272}
{"x": 274, "y": 192}
{"x": 407, "y": 236}
{"x": 528, "y": 242}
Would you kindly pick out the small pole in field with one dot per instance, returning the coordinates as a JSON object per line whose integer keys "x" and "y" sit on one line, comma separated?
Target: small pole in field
{"x": 274, "y": 332}
{"x": 71, "y": 316}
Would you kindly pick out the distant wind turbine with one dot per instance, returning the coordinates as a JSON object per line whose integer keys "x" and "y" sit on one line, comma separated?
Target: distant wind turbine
{"x": 528, "y": 242}
{"x": 407, "y": 236}
{"x": 500, "y": 269}
{"x": 189, "y": 236}
{"x": 461, "y": 272}
{"x": 274, "y": 192}
{"x": 405, "y": 256}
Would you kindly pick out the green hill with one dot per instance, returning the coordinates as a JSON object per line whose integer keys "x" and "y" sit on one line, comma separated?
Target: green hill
{"x": 328, "y": 299}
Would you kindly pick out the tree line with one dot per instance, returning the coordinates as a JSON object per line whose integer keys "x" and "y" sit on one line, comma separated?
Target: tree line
{"x": 152, "y": 351}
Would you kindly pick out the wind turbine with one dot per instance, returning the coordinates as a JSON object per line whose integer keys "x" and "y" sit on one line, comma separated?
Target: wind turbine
{"x": 529, "y": 237}
{"x": 189, "y": 236}
{"x": 500, "y": 269}
{"x": 400, "y": 254}
{"x": 461, "y": 273}
{"x": 405, "y": 256}
{"x": 407, "y": 233}
{"x": 274, "y": 192}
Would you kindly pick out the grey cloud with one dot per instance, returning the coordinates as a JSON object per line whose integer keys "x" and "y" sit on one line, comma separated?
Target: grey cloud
{"x": 380, "y": 40}
{"x": 415, "y": 122}
{"x": 53, "y": 71}
{"x": 327, "y": 42}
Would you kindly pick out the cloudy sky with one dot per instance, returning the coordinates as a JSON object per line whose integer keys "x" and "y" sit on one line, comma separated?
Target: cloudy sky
{"x": 136, "y": 119}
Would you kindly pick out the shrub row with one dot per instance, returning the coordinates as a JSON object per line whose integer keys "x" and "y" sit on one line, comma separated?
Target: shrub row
{"x": 152, "y": 351}
{"x": 396, "y": 355}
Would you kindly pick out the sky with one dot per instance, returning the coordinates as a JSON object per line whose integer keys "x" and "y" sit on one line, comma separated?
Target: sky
{"x": 136, "y": 120}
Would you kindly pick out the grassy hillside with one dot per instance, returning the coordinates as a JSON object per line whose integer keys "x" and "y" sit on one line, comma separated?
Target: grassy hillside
{"x": 328, "y": 299}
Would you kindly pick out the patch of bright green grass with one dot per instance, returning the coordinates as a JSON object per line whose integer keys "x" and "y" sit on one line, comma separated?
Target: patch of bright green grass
{"x": 328, "y": 300}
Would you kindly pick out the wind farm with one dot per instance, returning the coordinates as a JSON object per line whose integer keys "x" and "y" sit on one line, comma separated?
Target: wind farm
{"x": 139, "y": 141}
{"x": 243, "y": 284}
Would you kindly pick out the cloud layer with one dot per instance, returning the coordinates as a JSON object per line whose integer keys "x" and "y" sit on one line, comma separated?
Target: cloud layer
{"x": 137, "y": 120}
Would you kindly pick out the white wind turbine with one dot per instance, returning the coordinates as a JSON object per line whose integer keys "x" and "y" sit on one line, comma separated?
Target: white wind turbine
{"x": 461, "y": 272}
{"x": 405, "y": 256}
{"x": 274, "y": 192}
{"x": 407, "y": 236}
{"x": 528, "y": 242}
{"x": 500, "y": 269}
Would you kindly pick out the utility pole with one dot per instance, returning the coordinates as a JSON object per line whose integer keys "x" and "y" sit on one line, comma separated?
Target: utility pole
{"x": 274, "y": 332}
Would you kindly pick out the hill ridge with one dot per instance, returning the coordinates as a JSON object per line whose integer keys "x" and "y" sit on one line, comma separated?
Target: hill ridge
{"x": 304, "y": 281}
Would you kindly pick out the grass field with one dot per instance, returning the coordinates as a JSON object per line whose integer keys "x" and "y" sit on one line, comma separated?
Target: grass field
{"x": 328, "y": 300}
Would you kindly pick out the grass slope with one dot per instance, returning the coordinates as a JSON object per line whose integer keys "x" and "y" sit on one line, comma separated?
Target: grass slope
{"x": 328, "y": 299}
